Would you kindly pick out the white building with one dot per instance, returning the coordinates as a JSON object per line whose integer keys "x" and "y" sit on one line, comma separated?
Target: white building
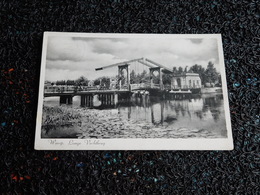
{"x": 91, "y": 83}
{"x": 186, "y": 81}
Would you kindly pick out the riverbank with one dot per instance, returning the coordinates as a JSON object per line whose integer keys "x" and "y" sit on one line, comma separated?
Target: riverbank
{"x": 60, "y": 122}
{"x": 84, "y": 123}
{"x": 211, "y": 90}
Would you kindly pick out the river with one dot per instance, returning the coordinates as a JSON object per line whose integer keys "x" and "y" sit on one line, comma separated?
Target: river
{"x": 201, "y": 116}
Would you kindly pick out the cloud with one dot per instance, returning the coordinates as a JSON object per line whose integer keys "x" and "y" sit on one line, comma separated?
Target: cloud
{"x": 76, "y": 56}
{"x": 64, "y": 48}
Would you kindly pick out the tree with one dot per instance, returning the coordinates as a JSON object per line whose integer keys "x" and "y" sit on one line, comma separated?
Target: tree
{"x": 70, "y": 82}
{"x": 219, "y": 80}
{"x": 103, "y": 81}
{"x": 62, "y": 82}
{"x": 138, "y": 78}
{"x": 81, "y": 81}
{"x": 180, "y": 70}
{"x": 133, "y": 77}
{"x": 167, "y": 78}
{"x": 199, "y": 70}
{"x": 211, "y": 75}
{"x": 97, "y": 82}
{"x": 144, "y": 76}
{"x": 174, "y": 70}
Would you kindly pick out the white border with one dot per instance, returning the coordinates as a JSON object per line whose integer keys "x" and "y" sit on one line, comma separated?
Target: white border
{"x": 133, "y": 144}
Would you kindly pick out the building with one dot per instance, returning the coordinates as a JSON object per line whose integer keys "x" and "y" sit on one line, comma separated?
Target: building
{"x": 186, "y": 81}
{"x": 91, "y": 83}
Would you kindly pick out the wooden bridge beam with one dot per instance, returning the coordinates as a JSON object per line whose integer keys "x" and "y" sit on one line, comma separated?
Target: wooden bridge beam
{"x": 120, "y": 74}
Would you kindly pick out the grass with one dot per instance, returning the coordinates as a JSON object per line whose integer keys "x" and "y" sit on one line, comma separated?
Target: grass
{"x": 59, "y": 116}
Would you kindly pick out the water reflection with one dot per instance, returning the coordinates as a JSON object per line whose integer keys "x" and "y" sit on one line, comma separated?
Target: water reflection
{"x": 200, "y": 112}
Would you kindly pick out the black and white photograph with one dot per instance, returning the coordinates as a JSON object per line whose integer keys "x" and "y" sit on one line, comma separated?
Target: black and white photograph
{"x": 132, "y": 91}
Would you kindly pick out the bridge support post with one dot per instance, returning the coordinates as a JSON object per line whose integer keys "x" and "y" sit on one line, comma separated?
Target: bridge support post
{"x": 62, "y": 100}
{"x": 115, "y": 99}
{"x": 120, "y": 75}
{"x": 107, "y": 99}
{"x": 159, "y": 70}
{"x": 69, "y": 99}
{"x": 160, "y": 77}
{"x": 82, "y": 100}
{"x": 66, "y": 99}
{"x": 151, "y": 78}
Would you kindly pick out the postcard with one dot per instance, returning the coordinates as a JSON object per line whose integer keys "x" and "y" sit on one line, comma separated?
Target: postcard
{"x": 103, "y": 91}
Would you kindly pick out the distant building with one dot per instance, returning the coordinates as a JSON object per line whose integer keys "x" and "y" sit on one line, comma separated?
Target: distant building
{"x": 91, "y": 83}
{"x": 186, "y": 81}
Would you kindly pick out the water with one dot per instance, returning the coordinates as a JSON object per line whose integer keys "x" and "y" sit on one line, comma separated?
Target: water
{"x": 201, "y": 116}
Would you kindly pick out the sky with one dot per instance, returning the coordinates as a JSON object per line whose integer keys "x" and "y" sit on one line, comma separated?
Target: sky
{"x": 72, "y": 57}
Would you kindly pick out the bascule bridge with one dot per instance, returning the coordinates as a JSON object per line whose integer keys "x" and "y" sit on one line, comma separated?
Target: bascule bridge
{"x": 110, "y": 97}
{"x": 126, "y": 65}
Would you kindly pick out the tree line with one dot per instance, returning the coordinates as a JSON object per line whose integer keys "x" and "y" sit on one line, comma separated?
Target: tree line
{"x": 83, "y": 81}
{"x": 207, "y": 75}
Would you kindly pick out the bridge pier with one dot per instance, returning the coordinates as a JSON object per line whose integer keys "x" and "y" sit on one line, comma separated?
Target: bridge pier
{"x": 66, "y": 99}
{"x": 115, "y": 98}
{"x": 106, "y": 99}
{"x": 82, "y": 100}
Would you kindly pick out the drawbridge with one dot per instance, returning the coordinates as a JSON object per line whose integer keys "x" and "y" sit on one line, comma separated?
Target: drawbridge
{"x": 111, "y": 97}
{"x": 126, "y": 66}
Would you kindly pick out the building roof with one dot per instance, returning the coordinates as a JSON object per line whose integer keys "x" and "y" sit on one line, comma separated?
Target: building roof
{"x": 187, "y": 74}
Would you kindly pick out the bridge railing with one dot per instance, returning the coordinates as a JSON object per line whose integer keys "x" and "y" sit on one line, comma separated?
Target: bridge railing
{"x": 185, "y": 87}
{"x": 139, "y": 86}
{"x": 157, "y": 86}
{"x": 167, "y": 87}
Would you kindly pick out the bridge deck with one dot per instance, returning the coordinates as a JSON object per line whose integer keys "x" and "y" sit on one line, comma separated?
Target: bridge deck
{"x": 49, "y": 94}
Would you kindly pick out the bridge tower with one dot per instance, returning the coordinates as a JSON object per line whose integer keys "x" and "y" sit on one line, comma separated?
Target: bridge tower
{"x": 126, "y": 66}
{"x": 159, "y": 70}
{"x": 120, "y": 74}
